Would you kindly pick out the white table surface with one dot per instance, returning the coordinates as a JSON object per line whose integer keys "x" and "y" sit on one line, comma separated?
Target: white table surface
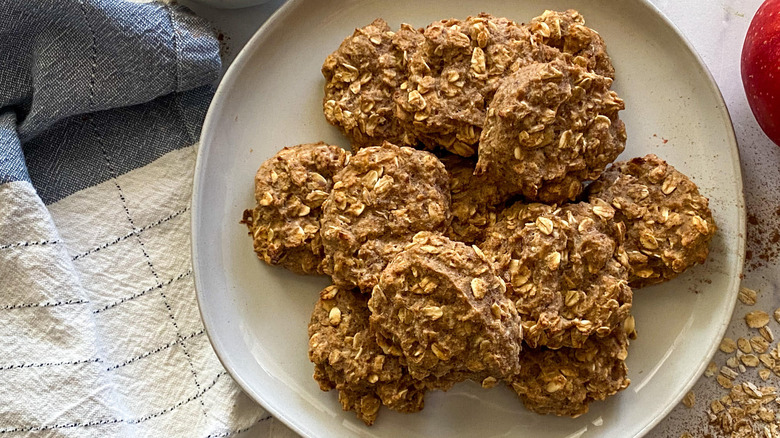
{"x": 716, "y": 28}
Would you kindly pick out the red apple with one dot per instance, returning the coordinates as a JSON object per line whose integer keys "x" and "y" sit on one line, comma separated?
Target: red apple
{"x": 761, "y": 68}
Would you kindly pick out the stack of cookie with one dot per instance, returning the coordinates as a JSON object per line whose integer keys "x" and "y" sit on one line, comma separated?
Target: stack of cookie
{"x": 473, "y": 233}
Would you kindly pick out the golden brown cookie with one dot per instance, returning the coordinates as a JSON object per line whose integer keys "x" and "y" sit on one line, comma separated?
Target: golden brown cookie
{"x": 347, "y": 358}
{"x": 581, "y": 45}
{"x": 451, "y": 78}
{"x": 290, "y": 188}
{"x": 361, "y": 77}
{"x": 550, "y": 127}
{"x": 383, "y": 197}
{"x": 423, "y": 87}
{"x": 565, "y": 381}
{"x": 568, "y": 272}
{"x": 443, "y": 306}
{"x": 669, "y": 224}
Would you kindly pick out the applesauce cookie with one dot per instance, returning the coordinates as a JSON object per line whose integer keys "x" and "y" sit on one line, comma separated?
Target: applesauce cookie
{"x": 476, "y": 202}
{"x": 566, "y": 31}
{"x": 383, "y": 197}
{"x": 567, "y": 271}
{"x": 452, "y": 76}
{"x": 565, "y": 381}
{"x": 551, "y": 126}
{"x": 346, "y": 357}
{"x": 443, "y": 306}
{"x": 290, "y": 188}
{"x": 669, "y": 224}
{"x": 361, "y": 77}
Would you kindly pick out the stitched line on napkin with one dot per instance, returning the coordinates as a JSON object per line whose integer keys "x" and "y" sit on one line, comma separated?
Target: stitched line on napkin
{"x": 43, "y": 304}
{"x": 177, "y": 77}
{"x": 99, "y": 360}
{"x": 167, "y": 304}
{"x": 237, "y": 431}
{"x": 25, "y": 244}
{"x": 93, "y": 55}
{"x": 113, "y": 174}
{"x": 50, "y": 364}
{"x": 135, "y": 231}
{"x": 197, "y": 396}
{"x": 156, "y": 350}
{"x": 143, "y": 292}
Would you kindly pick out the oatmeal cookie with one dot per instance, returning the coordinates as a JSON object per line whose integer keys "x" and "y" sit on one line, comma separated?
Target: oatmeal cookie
{"x": 346, "y": 357}
{"x": 383, "y": 197}
{"x": 361, "y": 77}
{"x": 290, "y": 188}
{"x": 669, "y": 224}
{"x": 565, "y": 381}
{"x": 568, "y": 273}
{"x": 476, "y": 202}
{"x": 550, "y": 127}
{"x": 566, "y": 31}
{"x": 451, "y": 78}
{"x": 441, "y": 303}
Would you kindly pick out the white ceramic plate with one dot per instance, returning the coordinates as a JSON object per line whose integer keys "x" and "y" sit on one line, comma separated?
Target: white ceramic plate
{"x": 256, "y": 316}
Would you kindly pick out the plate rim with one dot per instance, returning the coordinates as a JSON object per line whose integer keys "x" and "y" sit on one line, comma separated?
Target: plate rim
{"x": 741, "y": 220}
{"x": 225, "y": 84}
{"x": 210, "y": 120}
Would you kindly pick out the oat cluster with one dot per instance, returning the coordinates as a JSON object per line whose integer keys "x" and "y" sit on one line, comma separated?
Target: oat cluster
{"x": 748, "y": 403}
{"x": 459, "y": 234}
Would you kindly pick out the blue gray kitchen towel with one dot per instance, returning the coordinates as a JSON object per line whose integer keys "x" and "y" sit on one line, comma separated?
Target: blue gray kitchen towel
{"x": 101, "y": 104}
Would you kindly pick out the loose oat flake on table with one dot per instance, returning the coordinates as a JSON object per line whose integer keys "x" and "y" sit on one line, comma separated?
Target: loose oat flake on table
{"x": 485, "y": 261}
{"x": 745, "y": 404}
